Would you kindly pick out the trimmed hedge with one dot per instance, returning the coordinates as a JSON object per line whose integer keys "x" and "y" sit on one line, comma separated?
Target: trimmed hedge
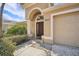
{"x": 18, "y": 39}
{"x": 7, "y": 47}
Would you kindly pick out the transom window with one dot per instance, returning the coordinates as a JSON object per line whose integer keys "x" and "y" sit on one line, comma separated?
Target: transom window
{"x": 40, "y": 17}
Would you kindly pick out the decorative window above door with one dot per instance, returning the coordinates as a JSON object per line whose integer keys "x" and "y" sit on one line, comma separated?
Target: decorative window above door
{"x": 40, "y": 17}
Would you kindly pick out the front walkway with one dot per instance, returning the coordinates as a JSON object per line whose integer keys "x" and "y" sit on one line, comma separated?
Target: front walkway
{"x": 28, "y": 49}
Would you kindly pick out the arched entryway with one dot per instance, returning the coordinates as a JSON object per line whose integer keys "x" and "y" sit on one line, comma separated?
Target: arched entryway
{"x": 37, "y": 22}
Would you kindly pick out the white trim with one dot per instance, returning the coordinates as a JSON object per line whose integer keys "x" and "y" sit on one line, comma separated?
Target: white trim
{"x": 35, "y": 28}
{"x": 63, "y": 12}
{"x": 51, "y": 28}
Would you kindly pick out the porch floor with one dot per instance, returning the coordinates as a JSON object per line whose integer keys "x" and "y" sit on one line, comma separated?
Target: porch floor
{"x": 61, "y": 50}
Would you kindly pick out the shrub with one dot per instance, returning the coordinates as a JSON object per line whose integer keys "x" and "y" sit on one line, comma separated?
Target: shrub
{"x": 18, "y": 39}
{"x": 7, "y": 47}
{"x": 17, "y": 29}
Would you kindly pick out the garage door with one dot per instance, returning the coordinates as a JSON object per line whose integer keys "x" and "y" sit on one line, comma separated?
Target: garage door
{"x": 66, "y": 29}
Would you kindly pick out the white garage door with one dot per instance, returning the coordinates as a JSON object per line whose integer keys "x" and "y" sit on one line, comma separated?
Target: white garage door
{"x": 66, "y": 29}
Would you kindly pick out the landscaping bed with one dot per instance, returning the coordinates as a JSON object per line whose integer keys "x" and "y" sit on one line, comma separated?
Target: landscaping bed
{"x": 14, "y": 36}
{"x": 8, "y": 44}
{"x": 18, "y": 39}
{"x": 7, "y": 47}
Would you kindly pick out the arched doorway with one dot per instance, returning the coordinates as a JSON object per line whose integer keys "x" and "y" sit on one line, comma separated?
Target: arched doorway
{"x": 37, "y": 18}
{"x": 39, "y": 26}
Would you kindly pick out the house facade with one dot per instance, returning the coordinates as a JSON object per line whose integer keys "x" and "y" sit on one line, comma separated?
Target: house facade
{"x": 53, "y": 23}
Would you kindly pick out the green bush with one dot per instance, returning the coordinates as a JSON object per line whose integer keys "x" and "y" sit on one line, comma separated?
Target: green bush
{"x": 7, "y": 47}
{"x": 18, "y": 39}
{"x": 17, "y": 29}
{"x": 7, "y": 35}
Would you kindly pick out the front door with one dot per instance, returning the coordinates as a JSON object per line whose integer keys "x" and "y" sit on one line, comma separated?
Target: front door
{"x": 39, "y": 29}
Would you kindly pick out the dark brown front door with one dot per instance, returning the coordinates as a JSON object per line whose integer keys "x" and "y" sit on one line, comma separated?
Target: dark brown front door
{"x": 39, "y": 29}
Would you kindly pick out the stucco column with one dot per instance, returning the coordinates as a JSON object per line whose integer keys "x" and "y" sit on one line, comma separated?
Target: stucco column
{"x": 51, "y": 21}
{"x": 29, "y": 28}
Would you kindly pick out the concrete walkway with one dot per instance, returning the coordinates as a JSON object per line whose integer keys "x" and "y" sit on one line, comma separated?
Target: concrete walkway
{"x": 27, "y": 49}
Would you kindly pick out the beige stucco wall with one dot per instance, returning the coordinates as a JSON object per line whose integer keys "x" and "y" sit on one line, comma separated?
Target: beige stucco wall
{"x": 47, "y": 25}
{"x": 47, "y": 22}
{"x": 47, "y": 29}
{"x": 33, "y": 27}
{"x": 47, "y": 15}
